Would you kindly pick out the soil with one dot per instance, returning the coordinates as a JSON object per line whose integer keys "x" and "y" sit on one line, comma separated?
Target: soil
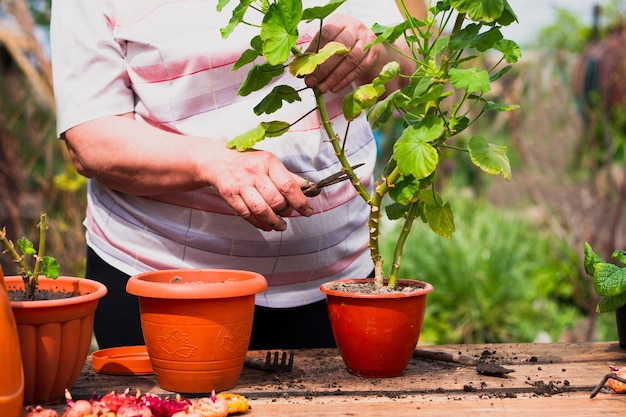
{"x": 40, "y": 295}
{"x": 369, "y": 288}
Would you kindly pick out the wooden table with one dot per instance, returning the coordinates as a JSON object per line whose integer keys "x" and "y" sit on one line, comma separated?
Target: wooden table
{"x": 547, "y": 380}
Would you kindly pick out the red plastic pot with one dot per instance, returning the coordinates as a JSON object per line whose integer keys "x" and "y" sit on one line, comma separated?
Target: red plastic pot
{"x": 197, "y": 325}
{"x": 376, "y": 334}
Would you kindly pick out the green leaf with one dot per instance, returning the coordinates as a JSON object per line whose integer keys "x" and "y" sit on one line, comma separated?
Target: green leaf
{"x": 480, "y": 11}
{"x": 611, "y": 303}
{"x": 250, "y": 55}
{"x": 362, "y": 97}
{"x": 236, "y": 18}
{"x": 382, "y": 110}
{"x": 471, "y": 79}
{"x": 50, "y": 267}
{"x": 438, "y": 215}
{"x": 279, "y": 30}
{"x": 620, "y": 255}
{"x": 489, "y": 157}
{"x": 405, "y": 191}
{"x": 497, "y": 75}
{"x": 500, "y": 107}
{"x": 306, "y": 63}
{"x": 258, "y": 77}
{"x": 247, "y": 140}
{"x": 275, "y": 128}
{"x": 274, "y": 100}
{"x": 465, "y": 37}
{"x": 395, "y": 211}
{"x": 321, "y": 12}
{"x": 487, "y": 40}
{"x": 511, "y": 51}
{"x": 415, "y": 155}
{"x": 26, "y": 246}
{"x": 390, "y": 71}
{"x": 591, "y": 259}
{"x": 390, "y": 33}
{"x": 608, "y": 279}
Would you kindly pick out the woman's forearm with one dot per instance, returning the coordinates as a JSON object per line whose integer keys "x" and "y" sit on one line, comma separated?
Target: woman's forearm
{"x": 137, "y": 158}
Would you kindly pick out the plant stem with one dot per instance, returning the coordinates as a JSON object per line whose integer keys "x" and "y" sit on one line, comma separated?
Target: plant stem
{"x": 17, "y": 258}
{"x": 43, "y": 228}
{"x": 335, "y": 142}
{"x": 374, "y": 225}
{"x": 399, "y": 247}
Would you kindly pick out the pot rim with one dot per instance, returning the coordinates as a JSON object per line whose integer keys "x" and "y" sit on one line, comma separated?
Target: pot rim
{"x": 223, "y": 283}
{"x": 96, "y": 290}
{"x": 426, "y": 288}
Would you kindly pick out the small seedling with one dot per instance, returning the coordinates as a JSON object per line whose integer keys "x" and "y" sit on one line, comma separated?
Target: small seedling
{"x": 43, "y": 265}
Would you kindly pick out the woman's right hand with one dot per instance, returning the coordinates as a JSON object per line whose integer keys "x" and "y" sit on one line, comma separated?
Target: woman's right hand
{"x": 136, "y": 158}
{"x": 259, "y": 188}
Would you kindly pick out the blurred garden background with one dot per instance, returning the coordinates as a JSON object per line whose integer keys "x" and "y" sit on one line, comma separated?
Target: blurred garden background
{"x": 512, "y": 271}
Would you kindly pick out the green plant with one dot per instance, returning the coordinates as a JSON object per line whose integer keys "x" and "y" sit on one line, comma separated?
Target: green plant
{"x": 442, "y": 97}
{"x": 44, "y": 265}
{"x": 511, "y": 279}
{"x": 609, "y": 280}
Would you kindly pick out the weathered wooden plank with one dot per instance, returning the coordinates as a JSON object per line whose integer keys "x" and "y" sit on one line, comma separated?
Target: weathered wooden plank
{"x": 547, "y": 379}
{"x": 441, "y": 406}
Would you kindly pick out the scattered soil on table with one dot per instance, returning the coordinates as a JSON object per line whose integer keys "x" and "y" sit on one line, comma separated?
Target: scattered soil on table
{"x": 490, "y": 366}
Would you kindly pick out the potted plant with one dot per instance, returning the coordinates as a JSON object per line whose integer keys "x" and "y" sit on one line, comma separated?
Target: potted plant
{"x": 442, "y": 98}
{"x": 609, "y": 282}
{"x": 197, "y": 325}
{"x": 54, "y": 317}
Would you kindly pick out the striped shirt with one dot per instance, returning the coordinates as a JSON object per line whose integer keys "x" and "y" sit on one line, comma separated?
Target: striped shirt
{"x": 165, "y": 61}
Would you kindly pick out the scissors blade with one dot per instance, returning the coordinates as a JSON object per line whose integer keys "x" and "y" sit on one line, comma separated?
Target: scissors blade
{"x": 312, "y": 189}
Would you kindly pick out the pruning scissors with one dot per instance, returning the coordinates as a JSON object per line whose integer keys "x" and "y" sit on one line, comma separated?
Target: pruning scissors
{"x": 312, "y": 189}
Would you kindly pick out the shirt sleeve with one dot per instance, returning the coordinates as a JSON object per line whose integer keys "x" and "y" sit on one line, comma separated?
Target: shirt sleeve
{"x": 384, "y": 12}
{"x": 89, "y": 72}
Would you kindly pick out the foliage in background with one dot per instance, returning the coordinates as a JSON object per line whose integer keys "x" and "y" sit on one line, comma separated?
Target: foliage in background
{"x": 567, "y": 33}
{"x": 499, "y": 279}
{"x": 31, "y": 156}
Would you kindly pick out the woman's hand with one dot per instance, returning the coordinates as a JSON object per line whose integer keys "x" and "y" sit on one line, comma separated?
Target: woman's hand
{"x": 359, "y": 66}
{"x": 260, "y": 189}
{"x": 139, "y": 159}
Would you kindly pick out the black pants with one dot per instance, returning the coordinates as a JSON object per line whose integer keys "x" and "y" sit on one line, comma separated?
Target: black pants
{"x": 117, "y": 321}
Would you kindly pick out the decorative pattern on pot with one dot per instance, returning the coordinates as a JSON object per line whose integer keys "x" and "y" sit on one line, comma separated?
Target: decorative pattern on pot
{"x": 197, "y": 326}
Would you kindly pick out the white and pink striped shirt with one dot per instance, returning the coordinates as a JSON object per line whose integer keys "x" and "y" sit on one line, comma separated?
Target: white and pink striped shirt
{"x": 165, "y": 60}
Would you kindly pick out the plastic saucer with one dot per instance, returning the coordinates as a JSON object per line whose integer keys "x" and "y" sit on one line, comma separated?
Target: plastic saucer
{"x": 126, "y": 360}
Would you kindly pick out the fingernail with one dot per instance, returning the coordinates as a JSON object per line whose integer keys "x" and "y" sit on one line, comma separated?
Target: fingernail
{"x": 280, "y": 226}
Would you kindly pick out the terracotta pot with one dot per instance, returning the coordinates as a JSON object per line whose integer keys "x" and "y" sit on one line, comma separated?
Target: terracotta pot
{"x": 12, "y": 380}
{"x": 376, "y": 334}
{"x": 197, "y": 325}
{"x": 55, "y": 335}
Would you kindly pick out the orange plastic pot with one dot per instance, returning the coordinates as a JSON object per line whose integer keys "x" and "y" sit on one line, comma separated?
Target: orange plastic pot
{"x": 376, "y": 334}
{"x": 12, "y": 380}
{"x": 55, "y": 335}
{"x": 197, "y": 325}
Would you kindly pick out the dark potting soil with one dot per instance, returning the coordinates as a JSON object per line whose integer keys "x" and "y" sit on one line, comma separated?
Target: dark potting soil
{"x": 40, "y": 295}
